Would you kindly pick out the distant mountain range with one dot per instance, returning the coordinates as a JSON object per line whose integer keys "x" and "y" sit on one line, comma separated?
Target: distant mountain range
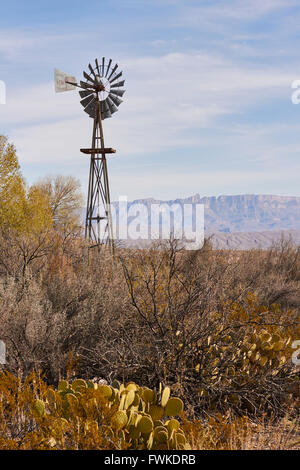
{"x": 243, "y": 221}
{"x": 243, "y": 213}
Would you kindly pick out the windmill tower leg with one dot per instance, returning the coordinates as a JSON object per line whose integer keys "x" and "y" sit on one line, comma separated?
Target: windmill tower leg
{"x": 98, "y": 226}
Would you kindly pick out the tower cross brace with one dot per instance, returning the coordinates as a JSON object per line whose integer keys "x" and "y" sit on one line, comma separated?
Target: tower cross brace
{"x": 98, "y": 223}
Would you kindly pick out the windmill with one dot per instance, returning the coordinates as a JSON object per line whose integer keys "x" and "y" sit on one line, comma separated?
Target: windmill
{"x": 100, "y": 93}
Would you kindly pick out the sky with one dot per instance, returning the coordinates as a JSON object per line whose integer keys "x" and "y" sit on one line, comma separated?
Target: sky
{"x": 207, "y": 107}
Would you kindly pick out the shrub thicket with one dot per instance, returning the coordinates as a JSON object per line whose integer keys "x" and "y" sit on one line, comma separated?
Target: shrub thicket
{"x": 217, "y": 326}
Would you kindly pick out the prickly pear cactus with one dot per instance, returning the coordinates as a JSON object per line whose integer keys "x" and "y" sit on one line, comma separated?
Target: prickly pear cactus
{"x": 140, "y": 418}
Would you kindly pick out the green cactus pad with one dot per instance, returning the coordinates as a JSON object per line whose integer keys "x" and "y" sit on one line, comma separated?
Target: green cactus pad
{"x": 122, "y": 402}
{"x": 159, "y": 428}
{"x": 119, "y": 420}
{"x": 150, "y": 441}
{"x": 137, "y": 420}
{"x": 141, "y": 406}
{"x": 145, "y": 425}
{"x": 162, "y": 436}
{"x": 158, "y": 423}
{"x": 72, "y": 399}
{"x": 134, "y": 433}
{"x": 132, "y": 386}
{"x": 115, "y": 384}
{"x": 105, "y": 391}
{"x": 173, "y": 424}
{"x": 79, "y": 383}
{"x": 174, "y": 407}
{"x": 51, "y": 397}
{"x": 90, "y": 384}
{"x": 165, "y": 396}
{"x": 148, "y": 395}
{"x": 136, "y": 400}
{"x": 156, "y": 412}
{"x": 39, "y": 407}
{"x": 63, "y": 386}
{"x": 129, "y": 399}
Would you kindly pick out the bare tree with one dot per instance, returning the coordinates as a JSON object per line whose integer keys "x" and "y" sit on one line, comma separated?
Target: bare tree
{"x": 65, "y": 197}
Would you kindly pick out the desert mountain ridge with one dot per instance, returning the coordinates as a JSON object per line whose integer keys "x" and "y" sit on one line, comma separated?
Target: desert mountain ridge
{"x": 243, "y": 221}
{"x": 242, "y": 213}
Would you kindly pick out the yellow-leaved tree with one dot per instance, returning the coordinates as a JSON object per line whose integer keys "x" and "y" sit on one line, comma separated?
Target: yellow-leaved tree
{"x": 21, "y": 209}
{"x": 12, "y": 187}
{"x": 54, "y": 202}
{"x": 37, "y": 215}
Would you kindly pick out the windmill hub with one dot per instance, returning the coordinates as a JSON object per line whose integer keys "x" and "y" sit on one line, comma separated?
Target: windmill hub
{"x": 100, "y": 87}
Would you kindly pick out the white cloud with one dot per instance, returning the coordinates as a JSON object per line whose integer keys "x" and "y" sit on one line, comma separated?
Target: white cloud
{"x": 171, "y": 96}
{"x": 53, "y": 143}
{"x": 168, "y": 100}
{"x": 28, "y": 45}
{"x": 221, "y": 12}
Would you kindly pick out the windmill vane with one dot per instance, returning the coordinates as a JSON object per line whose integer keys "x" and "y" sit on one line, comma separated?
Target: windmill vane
{"x": 101, "y": 91}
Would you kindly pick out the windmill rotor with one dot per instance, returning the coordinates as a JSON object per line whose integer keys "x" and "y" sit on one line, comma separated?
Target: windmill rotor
{"x": 101, "y": 83}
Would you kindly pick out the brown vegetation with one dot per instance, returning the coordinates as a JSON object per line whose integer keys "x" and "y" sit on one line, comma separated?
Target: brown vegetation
{"x": 165, "y": 315}
{"x": 216, "y": 326}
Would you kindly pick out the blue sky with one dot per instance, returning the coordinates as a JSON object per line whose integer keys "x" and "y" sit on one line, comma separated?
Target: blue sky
{"x": 208, "y": 103}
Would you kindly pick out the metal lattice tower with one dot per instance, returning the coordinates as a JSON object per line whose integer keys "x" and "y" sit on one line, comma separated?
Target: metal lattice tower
{"x": 98, "y": 223}
{"x": 100, "y": 92}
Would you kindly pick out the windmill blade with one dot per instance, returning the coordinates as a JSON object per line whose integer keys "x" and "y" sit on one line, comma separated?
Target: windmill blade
{"x": 87, "y": 77}
{"x": 97, "y": 65}
{"x": 116, "y": 77}
{"x": 92, "y": 115}
{"x": 108, "y": 67}
{"x": 117, "y": 85}
{"x": 85, "y": 93}
{"x": 85, "y": 85}
{"x": 115, "y": 100}
{"x": 112, "y": 107}
{"x": 105, "y": 116}
{"x": 103, "y": 65}
{"x": 86, "y": 101}
{"x": 91, "y": 112}
{"x": 117, "y": 92}
{"x": 91, "y": 109}
{"x": 105, "y": 109}
{"x": 92, "y": 70}
{"x": 113, "y": 71}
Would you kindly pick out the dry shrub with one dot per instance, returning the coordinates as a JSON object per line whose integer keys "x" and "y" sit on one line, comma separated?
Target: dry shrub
{"x": 189, "y": 319}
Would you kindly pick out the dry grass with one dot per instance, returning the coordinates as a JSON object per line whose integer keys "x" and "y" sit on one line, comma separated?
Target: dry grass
{"x": 243, "y": 434}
